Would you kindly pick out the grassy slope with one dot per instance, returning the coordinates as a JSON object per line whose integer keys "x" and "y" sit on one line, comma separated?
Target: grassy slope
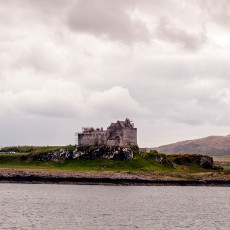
{"x": 225, "y": 156}
{"x": 35, "y": 149}
{"x": 138, "y": 164}
{"x": 223, "y": 161}
{"x": 211, "y": 146}
{"x": 141, "y": 162}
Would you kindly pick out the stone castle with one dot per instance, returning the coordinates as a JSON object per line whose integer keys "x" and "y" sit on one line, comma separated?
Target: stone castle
{"x": 121, "y": 133}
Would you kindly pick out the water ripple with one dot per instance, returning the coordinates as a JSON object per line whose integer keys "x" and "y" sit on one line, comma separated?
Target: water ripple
{"x": 43, "y": 206}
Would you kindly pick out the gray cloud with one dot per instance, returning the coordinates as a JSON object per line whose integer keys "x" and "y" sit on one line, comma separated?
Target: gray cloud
{"x": 189, "y": 41}
{"x": 107, "y": 19}
{"x": 218, "y": 13}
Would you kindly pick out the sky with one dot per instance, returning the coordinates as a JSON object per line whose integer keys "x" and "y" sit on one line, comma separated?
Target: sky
{"x": 65, "y": 64}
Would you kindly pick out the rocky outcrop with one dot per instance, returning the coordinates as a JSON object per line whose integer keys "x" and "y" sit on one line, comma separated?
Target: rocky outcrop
{"x": 161, "y": 159}
{"x": 88, "y": 153}
{"x": 205, "y": 162}
{"x": 107, "y": 152}
{"x": 56, "y": 156}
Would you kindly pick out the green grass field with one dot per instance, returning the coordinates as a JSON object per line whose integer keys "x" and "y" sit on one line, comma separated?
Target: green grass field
{"x": 225, "y": 156}
{"x": 35, "y": 149}
{"x": 138, "y": 164}
{"x": 223, "y": 161}
{"x": 144, "y": 162}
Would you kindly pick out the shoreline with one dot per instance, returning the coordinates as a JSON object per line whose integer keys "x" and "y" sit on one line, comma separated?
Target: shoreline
{"x": 111, "y": 181}
{"x": 111, "y": 178}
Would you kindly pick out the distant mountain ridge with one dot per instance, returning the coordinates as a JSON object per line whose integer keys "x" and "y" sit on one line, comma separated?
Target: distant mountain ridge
{"x": 211, "y": 146}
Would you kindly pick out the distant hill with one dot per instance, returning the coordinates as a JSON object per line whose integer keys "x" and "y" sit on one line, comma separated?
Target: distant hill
{"x": 211, "y": 146}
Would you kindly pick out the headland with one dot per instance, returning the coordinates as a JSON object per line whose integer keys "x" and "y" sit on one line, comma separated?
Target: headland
{"x": 113, "y": 166}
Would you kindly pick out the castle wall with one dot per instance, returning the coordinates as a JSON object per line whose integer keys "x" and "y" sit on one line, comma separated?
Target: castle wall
{"x": 114, "y": 142}
{"x": 114, "y": 137}
{"x": 93, "y": 138}
{"x": 121, "y": 134}
{"x": 85, "y": 140}
{"x": 130, "y": 136}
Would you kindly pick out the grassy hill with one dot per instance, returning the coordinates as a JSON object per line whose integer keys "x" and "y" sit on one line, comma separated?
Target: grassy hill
{"x": 223, "y": 161}
{"x": 211, "y": 146}
{"x": 34, "y": 149}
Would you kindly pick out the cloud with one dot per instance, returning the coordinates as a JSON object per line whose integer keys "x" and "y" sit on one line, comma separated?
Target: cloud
{"x": 223, "y": 96}
{"x": 218, "y": 13}
{"x": 66, "y": 64}
{"x": 54, "y": 99}
{"x": 107, "y": 19}
{"x": 58, "y": 98}
{"x": 171, "y": 33}
{"x": 116, "y": 101}
{"x": 189, "y": 112}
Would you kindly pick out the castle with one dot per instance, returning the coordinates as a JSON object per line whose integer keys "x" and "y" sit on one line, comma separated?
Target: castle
{"x": 121, "y": 133}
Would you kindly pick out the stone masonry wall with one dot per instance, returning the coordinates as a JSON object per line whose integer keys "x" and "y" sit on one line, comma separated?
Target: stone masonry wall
{"x": 130, "y": 136}
{"x": 120, "y": 134}
{"x": 92, "y": 139}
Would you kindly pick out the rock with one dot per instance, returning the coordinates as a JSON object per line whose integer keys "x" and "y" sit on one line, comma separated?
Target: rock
{"x": 158, "y": 159}
{"x": 89, "y": 153}
{"x": 57, "y": 156}
{"x": 206, "y": 162}
{"x": 106, "y": 152}
{"x": 77, "y": 154}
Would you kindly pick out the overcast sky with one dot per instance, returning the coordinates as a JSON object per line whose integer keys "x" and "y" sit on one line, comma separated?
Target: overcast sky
{"x": 65, "y": 64}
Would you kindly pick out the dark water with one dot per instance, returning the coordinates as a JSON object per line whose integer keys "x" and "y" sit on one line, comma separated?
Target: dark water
{"x": 43, "y": 206}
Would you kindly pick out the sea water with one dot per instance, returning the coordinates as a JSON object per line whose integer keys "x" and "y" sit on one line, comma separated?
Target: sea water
{"x": 52, "y": 206}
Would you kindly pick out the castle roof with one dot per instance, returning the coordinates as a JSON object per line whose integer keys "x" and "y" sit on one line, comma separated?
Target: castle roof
{"x": 122, "y": 124}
